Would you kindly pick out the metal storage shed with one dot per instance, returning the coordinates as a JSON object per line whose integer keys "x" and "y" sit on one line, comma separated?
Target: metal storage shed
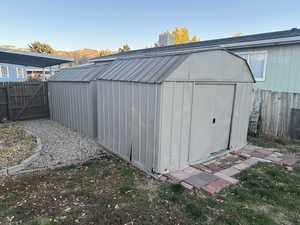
{"x": 73, "y": 98}
{"x": 165, "y": 112}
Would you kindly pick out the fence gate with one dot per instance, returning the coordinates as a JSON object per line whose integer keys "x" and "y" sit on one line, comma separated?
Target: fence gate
{"x": 23, "y": 100}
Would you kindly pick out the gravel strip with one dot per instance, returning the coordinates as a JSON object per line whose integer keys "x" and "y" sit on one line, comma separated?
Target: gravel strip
{"x": 60, "y": 145}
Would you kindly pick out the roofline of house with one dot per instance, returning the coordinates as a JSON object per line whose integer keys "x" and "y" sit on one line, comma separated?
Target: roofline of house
{"x": 231, "y": 46}
{"x": 163, "y": 53}
{"x": 35, "y": 54}
{"x": 263, "y": 43}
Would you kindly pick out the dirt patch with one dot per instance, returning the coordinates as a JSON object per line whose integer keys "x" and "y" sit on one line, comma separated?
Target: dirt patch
{"x": 15, "y": 145}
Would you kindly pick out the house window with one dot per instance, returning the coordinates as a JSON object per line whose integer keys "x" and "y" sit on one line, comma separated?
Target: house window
{"x": 20, "y": 72}
{"x": 4, "y": 71}
{"x": 257, "y": 62}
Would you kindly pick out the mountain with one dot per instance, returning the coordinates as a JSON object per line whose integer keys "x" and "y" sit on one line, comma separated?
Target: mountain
{"x": 80, "y": 56}
{"x": 12, "y": 47}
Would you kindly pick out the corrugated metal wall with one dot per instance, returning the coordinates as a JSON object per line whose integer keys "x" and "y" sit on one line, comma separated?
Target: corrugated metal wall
{"x": 241, "y": 113}
{"x": 176, "y": 120}
{"x": 128, "y": 120}
{"x": 176, "y": 109}
{"x": 71, "y": 104}
{"x": 282, "y": 70}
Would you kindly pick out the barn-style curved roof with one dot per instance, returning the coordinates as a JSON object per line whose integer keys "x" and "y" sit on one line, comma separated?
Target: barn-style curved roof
{"x": 212, "y": 64}
{"x": 80, "y": 74}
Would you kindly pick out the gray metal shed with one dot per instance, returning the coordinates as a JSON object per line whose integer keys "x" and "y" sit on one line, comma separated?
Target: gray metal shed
{"x": 73, "y": 98}
{"x": 165, "y": 112}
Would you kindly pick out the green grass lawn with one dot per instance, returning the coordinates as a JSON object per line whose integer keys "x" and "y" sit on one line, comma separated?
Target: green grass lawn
{"x": 109, "y": 191}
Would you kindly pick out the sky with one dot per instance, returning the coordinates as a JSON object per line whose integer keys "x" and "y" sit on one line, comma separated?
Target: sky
{"x": 75, "y": 24}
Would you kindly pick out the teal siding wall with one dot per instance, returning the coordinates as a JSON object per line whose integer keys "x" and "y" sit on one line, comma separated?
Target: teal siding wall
{"x": 282, "y": 69}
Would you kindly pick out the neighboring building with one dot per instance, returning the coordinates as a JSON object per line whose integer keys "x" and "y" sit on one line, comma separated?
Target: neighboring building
{"x": 41, "y": 73}
{"x": 166, "y": 38}
{"x": 15, "y": 65}
{"x": 274, "y": 57}
{"x": 12, "y": 73}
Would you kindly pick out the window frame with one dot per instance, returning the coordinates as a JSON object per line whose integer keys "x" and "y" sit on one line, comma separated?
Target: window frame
{"x": 22, "y": 76}
{"x": 1, "y": 75}
{"x": 248, "y": 53}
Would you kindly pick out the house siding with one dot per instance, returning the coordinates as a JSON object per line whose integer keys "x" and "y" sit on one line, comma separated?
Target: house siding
{"x": 282, "y": 68}
{"x": 12, "y": 73}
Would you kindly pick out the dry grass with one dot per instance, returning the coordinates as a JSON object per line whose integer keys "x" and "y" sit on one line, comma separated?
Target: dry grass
{"x": 15, "y": 145}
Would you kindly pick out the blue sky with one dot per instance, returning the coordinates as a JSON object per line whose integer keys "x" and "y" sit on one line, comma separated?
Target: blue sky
{"x": 75, "y": 24}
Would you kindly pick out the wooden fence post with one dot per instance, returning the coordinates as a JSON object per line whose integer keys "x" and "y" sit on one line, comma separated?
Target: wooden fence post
{"x": 9, "y": 103}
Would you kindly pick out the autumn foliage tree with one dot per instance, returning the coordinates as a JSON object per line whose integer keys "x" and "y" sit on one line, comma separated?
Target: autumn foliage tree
{"x": 125, "y": 48}
{"x": 194, "y": 39}
{"x": 238, "y": 34}
{"x": 105, "y": 52}
{"x": 41, "y": 48}
{"x": 178, "y": 36}
{"x": 182, "y": 36}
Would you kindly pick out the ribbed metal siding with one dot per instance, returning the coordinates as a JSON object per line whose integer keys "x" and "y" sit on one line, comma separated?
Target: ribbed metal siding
{"x": 241, "y": 114}
{"x": 71, "y": 104}
{"x": 175, "y": 127}
{"x": 176, "y": 119}
{"x": 152, "y": 69}
{"x": 128, "y": 119}
{"x": 80, "y": 74}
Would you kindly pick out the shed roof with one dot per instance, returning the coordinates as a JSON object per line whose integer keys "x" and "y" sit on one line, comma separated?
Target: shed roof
{"x": 149, "y": 69}
{"x": 30, "y": 58}
{"x": 255, "y": 40}
{"x": 156, "y": 68}
{"x": 80, "y": 74}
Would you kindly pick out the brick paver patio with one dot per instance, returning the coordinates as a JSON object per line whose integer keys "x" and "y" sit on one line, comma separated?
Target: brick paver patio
{"x": 215, "y": 175}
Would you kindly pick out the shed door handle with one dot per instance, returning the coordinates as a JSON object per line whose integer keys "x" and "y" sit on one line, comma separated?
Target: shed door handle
{"x": 214, "y": 120}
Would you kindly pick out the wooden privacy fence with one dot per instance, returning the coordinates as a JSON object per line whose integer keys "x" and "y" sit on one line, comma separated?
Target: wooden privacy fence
{"x": 272, "y": 112}
{"x": 23, "y": 100}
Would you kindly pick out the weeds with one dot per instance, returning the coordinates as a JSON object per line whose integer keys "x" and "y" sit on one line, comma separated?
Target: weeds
{"x": 267, "y": 194}
{"x": 127, "y": 188}
{"x": 71, "y": 167}
{"x": 196, "y": 211}
{"x": 127, "y": 172}
{"x": 172, "y": 192}
{"x": 107, "y": 172}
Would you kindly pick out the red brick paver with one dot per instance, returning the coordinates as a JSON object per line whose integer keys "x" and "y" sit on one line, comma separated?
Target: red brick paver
{"x": 186, "y": 185}
{"x": 216, "y": 186}
{"x": 217, "y": 174}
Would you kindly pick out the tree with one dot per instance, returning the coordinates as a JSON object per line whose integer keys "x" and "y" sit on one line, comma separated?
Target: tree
{"x": 195, "y": 39}
{"x": 178, "y": 36}
{"x": 238, "y": 34}
{"x": 105, "y": 52}
{"x": 125, "y": 48}
{"x": 41, "y": 48}
{"x": 181, "y": 35}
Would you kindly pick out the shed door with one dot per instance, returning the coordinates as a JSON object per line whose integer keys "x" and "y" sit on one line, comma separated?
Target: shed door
{"x": 211, "y": 120}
